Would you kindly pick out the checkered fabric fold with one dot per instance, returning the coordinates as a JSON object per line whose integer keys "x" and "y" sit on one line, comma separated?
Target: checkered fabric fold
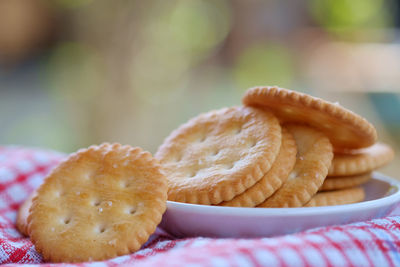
{"x": 370, "y": 243}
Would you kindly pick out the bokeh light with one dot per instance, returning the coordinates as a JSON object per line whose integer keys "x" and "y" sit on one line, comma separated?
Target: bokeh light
{"x": 192, "y": 30}
{"x": 262, "y": 64}
{"x": 351, "y": 14}
{"x": 74, "y": 72}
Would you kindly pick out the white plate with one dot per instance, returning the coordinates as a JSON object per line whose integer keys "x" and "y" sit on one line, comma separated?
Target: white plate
{"x": 181, "y": 219}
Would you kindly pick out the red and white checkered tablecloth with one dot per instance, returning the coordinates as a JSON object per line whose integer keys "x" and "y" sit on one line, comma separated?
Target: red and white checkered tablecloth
{"x": 369, "y": 243}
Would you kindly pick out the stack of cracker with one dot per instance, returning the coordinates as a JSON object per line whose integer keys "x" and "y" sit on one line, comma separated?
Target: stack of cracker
{"x": 276, "y": 150}
{"x": 351, "y": 168}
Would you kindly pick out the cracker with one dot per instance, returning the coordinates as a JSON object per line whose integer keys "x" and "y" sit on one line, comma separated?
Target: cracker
{"x": 314, "y": 155}
{"x": 337, "y": 197}
{"x": 344, "y": 128}
{"x": 341, "y": 182}
{"x": 100, "y": 203}
{"x": 352, "y": 162}
{"x": 218, "y": 155}
{"x": 23, "y": 213}
{"x": 273, "y": 179}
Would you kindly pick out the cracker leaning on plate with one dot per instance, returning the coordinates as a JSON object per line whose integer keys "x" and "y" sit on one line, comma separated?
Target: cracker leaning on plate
{"x": 344, "y": 128}
{"x": 218, "y": 155}
{"x": 100, "y": 203}
{"x": 314, "y": 156}
{"x": 273, "y": 179}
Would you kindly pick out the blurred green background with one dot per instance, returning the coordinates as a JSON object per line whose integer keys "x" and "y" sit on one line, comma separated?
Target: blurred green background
{"x": 78, "y": 72}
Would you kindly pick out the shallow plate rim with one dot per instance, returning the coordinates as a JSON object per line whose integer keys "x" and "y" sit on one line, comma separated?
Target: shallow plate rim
{"x": 303, "y": 211}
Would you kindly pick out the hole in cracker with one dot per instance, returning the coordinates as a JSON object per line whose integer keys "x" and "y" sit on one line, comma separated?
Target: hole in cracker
{"x": 60, "y": 193}
{"x": 215, "y": 152}
{"x": 203, "y": 138}
{"x": 192, "y": 174}
{"x": 238, "y": 130}
{"x": 87, "y": 175}
{"x": 132, "y": 210}
{"x": 101, "y": 229}
{"x": 125, "y": 184}
{"x": 67, "y": 220}
{"x": 178, "y": 158}
{"x": 252, "y": 143}
{"x": 96, "y": 203}
{"x": 228, "y": 166}
{"x": 292, "y": 175}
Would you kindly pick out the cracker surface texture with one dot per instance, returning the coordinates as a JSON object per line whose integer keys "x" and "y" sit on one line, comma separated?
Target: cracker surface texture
{"x": 100, "y": 203}
{"x": 352, "y": 162}
{"x": 344, "y": 128}
{"x": 314, "y": 156}
{"x": 337, "y": 197}
{"x": 273, "y": 179}
{"x": 218, "y": 155}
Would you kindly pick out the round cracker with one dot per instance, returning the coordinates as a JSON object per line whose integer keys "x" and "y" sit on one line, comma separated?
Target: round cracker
{"x": 341, "y": 182}
{"x": 344, "y": 128}
{"x": 314, "y": 155}
{"x": 352, "y": 162}
{"x": 23, "y": 213}
{"x": 273, "y": 179}
{"x": 218, "y": 155}
{"x": 100, "y": 203}
{"x": 337, "y": 197}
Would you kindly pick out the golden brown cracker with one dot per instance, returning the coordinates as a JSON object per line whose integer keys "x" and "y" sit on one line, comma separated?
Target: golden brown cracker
{"x": 352, "y": 162}
{"x": 23, "y": 213}
{"x": 314, "y": 155}
{"x": 341, "y": 182}
{"x": 344, "y": 128}
{"x": 218, "y": 155}
{"x": 100, "y": 203}
{"x": 337, "y": 197}
{"x": 273, "y": 179}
